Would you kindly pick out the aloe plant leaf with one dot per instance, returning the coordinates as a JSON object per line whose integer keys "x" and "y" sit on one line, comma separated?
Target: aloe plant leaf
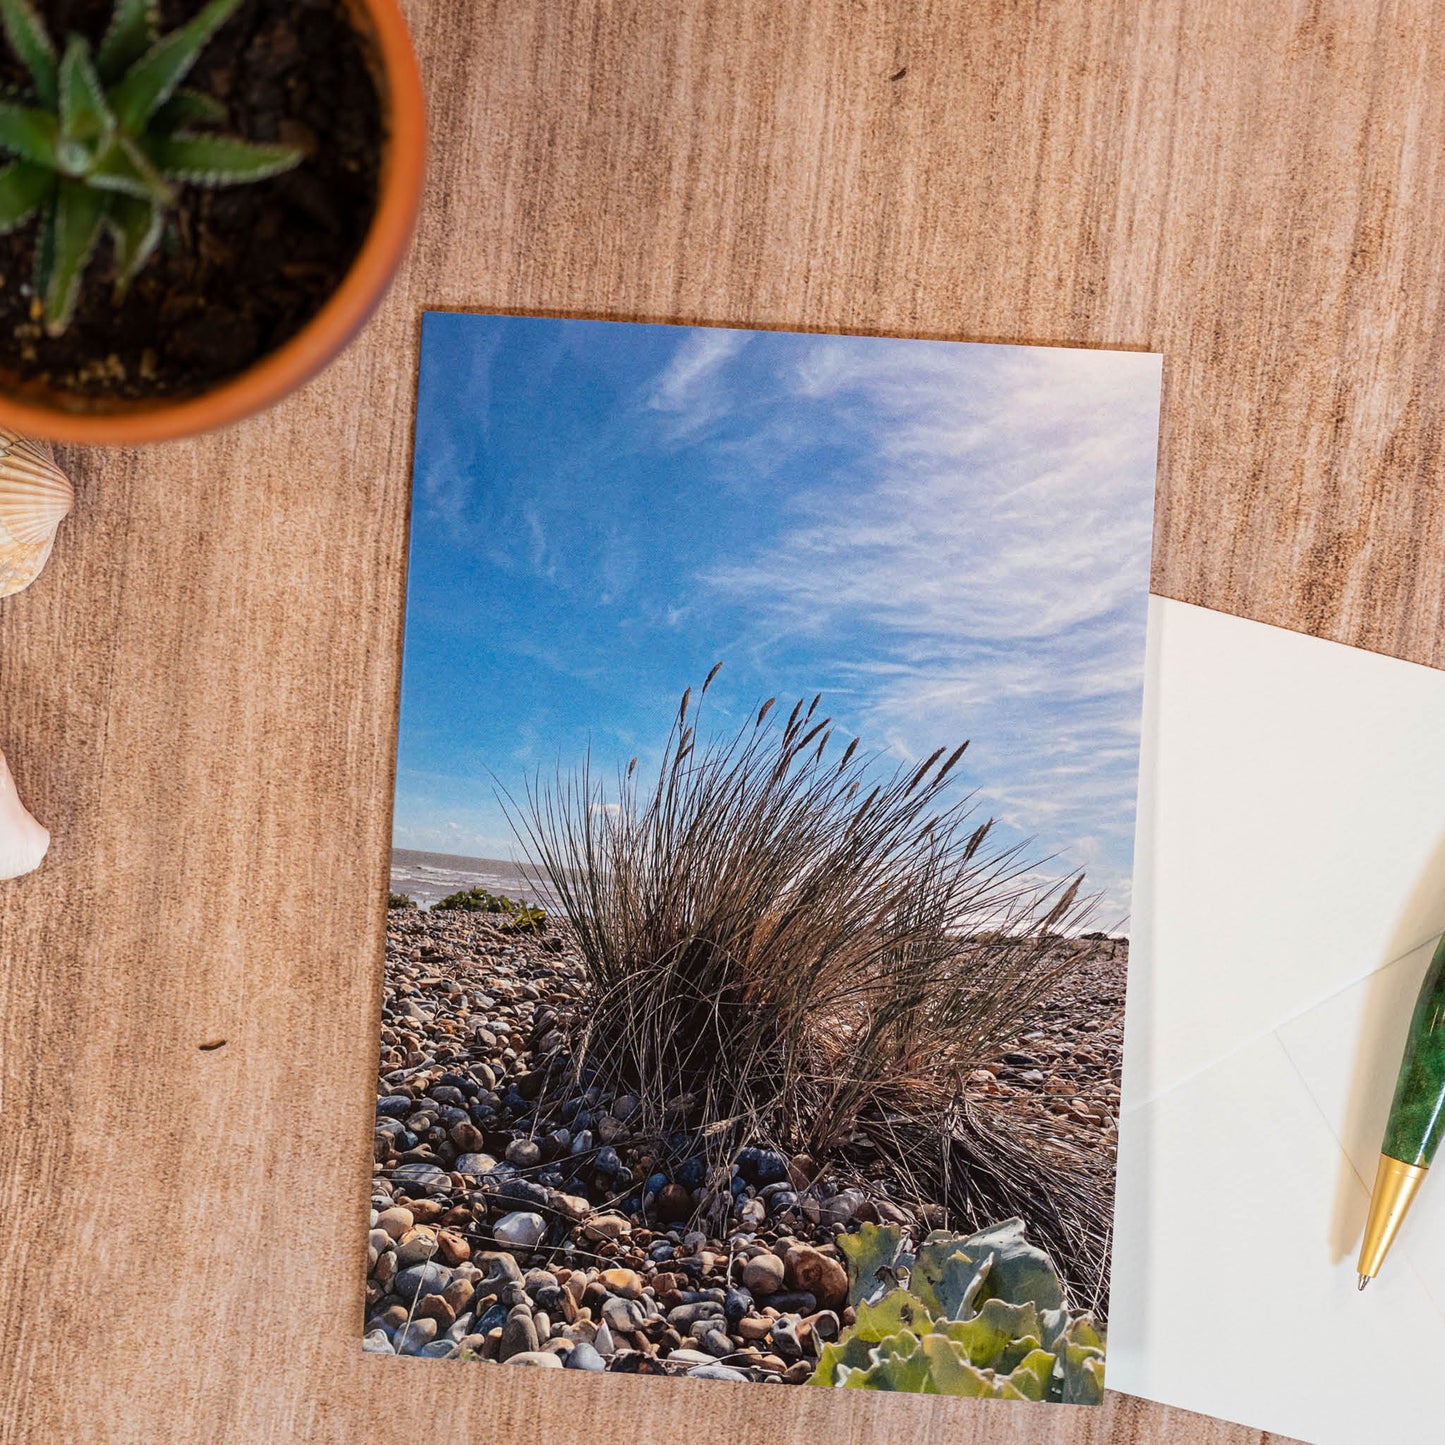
{"x": 151, "y": 80}
{"x": 85, "y": 117}
{"x": 32, "y": 46}
{"x": 125, "y": 168}
{"x": 79, "y": 211}
{"x": 134, "y": 28}
{"x": 23, "y": 189}
{"x": 135, "y": 228}
{"x": 219, "y": 160}
{"x": 32, "y": 135}
{"x": 187, "y": 108}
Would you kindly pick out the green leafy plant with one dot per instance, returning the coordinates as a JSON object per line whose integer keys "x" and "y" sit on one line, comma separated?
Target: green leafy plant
{"x": 521, "y": 917}
{"x": 982, "y": 1315}
{"x": 104, "y": 139}
{"x": 400, "y": 900}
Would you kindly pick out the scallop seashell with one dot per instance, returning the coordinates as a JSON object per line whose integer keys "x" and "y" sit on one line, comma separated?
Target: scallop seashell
{"x": 35, "y": 495}
{"x": 23, "y": 842}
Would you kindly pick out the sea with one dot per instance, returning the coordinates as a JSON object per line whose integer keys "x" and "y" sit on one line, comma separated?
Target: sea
{"x": 428, "y": 877}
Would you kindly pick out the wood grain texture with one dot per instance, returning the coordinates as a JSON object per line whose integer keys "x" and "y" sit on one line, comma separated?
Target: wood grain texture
{"x": 198, "y": 697}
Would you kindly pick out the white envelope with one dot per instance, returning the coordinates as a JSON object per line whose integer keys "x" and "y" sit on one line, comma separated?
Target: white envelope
{"x": 1289, "y": 889}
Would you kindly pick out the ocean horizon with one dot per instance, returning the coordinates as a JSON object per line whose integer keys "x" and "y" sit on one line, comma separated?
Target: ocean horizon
{"x": 429, "y": 877}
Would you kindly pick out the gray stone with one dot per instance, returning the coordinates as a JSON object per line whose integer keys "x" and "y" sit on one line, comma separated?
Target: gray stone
{"x": 497, "y": 1267}
{"x": 420, "y": 1246}
{"x": 622, "y": 1314}
{"x": 520, "y": 1230}
{"x": 524, "y": 1153}
{"x": 426, "y": 1178}
{"x": 475, "y": 1166}
{"x": 422, "y": 1280}
{"x": 840, "y": 1209}
{"x": 536, "y": 1279}
{"x": 715, "y": 1372}
{"x": 584, "y": 1357}
{"x": 375, "y": 1342}
{"x": 763, "y": 1274}
{"x": 410, "y": 1338}
{"x": 519, "y": 1334}
{"x": 438, "y": 1349}
{"x": 685, "y": 1356}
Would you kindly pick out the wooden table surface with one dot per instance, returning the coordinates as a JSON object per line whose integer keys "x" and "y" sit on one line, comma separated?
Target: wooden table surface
{"x": 199, "y": 695}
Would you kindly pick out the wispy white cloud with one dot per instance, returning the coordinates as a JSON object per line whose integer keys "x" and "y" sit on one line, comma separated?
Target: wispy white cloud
{"x": 691, "y": 388}
{"x": 994, "y": 550}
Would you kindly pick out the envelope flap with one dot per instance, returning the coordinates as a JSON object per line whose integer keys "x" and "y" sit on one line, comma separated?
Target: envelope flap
{"x": 1291, "y": 837}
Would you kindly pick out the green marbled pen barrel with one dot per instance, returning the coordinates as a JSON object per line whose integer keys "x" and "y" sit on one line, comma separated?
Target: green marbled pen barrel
{"x": 1416, "y": 1123}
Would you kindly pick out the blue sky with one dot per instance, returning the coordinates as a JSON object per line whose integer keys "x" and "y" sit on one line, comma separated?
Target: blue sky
{"x": 948, "y": 540}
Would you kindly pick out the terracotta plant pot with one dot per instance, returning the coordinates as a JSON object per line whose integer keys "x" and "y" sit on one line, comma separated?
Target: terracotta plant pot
{"x": 39, "y": 411}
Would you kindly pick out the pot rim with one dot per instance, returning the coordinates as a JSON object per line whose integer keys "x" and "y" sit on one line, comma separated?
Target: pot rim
{"x": 345, "y": 312}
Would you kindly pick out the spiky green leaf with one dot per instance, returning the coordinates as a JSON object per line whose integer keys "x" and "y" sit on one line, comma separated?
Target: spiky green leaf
{"x": 126, "y": 168}
{"x": 150, "y": 82}
{"x": 135, "y": 228}
{"x": 23, "y": 188}
{"x": 29, "y": 134}
{"x": 134, "y": 28}
{"x": 219, "y": 160}
{"x": 85, "y": 116}
{"x": 32, "y": 46}
{"x": 79, "y": 211}
{"x": 187, "y": 108}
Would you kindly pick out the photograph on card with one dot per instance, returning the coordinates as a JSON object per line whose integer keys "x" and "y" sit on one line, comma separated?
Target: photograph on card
{"x": 764, "y": 819}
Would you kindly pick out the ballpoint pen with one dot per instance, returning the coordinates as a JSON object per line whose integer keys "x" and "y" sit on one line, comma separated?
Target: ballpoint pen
{"x": 1416, "y": 1123}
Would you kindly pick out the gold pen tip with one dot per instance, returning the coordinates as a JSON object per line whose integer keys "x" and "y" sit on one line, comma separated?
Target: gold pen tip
{"x": 1364, "y": 1280}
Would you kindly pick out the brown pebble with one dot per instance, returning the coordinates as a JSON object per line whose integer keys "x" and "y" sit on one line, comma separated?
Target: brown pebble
{"x": 435, "y": 1307}
{"x": 624, "y": 1282}
{"x": 810, "y": 1270}
{"x": 458, "y": 1294}
{"x": 453, "y": 1248}
{"x": 396, "y": 1222}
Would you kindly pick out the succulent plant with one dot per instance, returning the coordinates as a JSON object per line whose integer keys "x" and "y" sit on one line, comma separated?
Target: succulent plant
{"x": 981, "y": 1314}
{"x": 104, "y": 138}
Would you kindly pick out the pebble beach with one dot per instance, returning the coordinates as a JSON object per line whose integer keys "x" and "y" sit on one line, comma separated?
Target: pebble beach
{"x": 510, "y": 1225}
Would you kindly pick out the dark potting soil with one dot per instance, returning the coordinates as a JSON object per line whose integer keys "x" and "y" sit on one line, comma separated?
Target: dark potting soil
{"x": 240, "y": 269}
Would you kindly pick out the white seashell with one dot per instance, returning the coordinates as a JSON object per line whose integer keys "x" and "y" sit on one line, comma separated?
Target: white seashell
{"x": 35, "y": 495}
{"x": 23, "y": 842}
